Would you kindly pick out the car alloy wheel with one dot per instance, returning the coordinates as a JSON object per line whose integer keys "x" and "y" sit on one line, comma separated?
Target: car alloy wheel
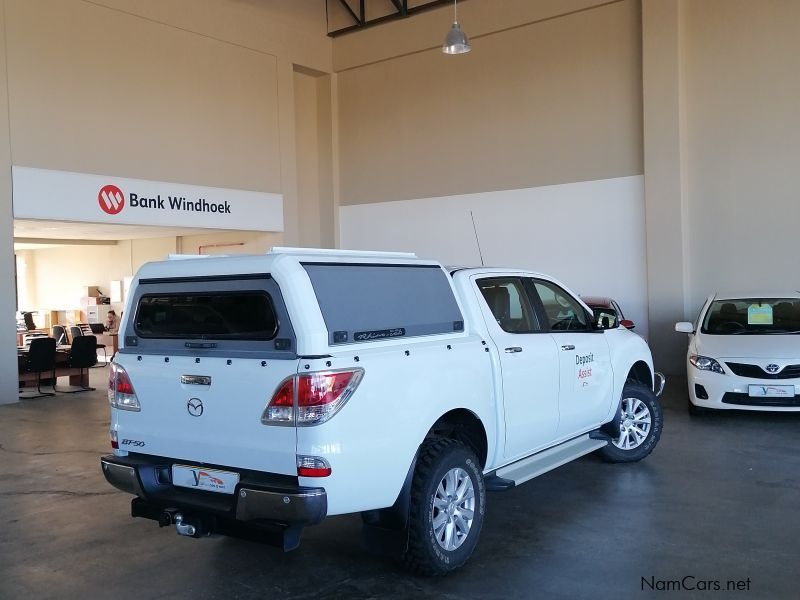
{"x": 453, "y": 509}
{"x": 634, "y": 424}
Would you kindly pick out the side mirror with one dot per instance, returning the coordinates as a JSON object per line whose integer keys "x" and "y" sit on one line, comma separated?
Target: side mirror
{"x": 684, "y": 327}
{"x": 605, "y": 319}
{"x": 627, "y": 323}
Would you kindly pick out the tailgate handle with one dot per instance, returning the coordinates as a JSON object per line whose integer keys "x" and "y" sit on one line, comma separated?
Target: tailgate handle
{"x": 200, "y": 345}
{"x": 196, "y": 379}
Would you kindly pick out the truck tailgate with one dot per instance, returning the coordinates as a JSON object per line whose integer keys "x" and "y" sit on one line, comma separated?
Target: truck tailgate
{"x": 186, "y": 418}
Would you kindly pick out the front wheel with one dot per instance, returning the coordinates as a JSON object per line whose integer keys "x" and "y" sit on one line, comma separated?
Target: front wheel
{"x": 447, "y": 506}
{"x": 640, "y": 425}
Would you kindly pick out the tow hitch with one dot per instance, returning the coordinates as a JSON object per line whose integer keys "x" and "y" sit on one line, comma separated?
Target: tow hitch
{"x": 189, "y": 526}
{"x": 197, "y": 525}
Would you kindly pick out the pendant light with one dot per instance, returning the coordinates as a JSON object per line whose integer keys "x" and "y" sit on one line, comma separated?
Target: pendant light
{"x": 456, "y": 41}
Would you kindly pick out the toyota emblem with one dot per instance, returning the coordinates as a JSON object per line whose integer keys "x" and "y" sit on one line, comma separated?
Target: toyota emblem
{"x": 772, "y": 368}
{"x": 195, "y": 407}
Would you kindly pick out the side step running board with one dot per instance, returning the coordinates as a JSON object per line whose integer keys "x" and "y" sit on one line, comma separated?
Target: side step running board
{"x": 547, "y": 460}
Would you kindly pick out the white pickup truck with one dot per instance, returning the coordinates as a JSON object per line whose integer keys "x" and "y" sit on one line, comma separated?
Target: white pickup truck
{"x": 256, "y": 395}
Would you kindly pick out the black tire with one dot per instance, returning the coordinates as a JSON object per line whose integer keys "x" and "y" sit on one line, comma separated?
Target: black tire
{"x": 641, "y": 396}
{"x": 424, "y": 555}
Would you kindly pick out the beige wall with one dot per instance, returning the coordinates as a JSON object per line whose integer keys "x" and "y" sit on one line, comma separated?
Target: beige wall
{"x": 313, "y": 101}
{"x": 191, "y": 91}
{"x": 234, "y": 242}
{"x": 665, "y": 179}
{"x": 722, "y": 136}
{"x": 549, "y": 102}
{"x": 138, "y": 99}
{"x": 59, "y": 276}
{"x": 699, "y": 95}
{"x": 742, "y": 79}
{"x": 307, "y": 148}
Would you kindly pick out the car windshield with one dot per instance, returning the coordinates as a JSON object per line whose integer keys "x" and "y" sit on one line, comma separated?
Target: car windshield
{"x": 753, "y": 316}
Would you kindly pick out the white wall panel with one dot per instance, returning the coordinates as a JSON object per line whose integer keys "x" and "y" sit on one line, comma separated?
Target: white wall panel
{"x": 590, "y": 234}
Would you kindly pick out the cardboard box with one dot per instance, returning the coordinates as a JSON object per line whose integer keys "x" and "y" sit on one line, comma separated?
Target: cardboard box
{"x": 93, "y": 291}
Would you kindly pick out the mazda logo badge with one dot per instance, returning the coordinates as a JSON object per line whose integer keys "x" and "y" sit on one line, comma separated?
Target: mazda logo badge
{"x": 195, "y": 407}
{"x": 772, "y": 368}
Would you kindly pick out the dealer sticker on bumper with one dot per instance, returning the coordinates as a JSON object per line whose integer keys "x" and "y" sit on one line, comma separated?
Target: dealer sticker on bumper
{"x": 771, "y": 391}
{"x": 200, "y": 478}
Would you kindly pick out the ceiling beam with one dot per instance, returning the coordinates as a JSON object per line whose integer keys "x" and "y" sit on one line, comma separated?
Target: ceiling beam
{"x": 402, "y": 10}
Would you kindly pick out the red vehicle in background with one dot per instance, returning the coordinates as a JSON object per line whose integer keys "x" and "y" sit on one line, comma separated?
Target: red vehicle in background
{"x": 607, "y": 309}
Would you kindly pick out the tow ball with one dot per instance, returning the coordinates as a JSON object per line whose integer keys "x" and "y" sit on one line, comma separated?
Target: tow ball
{"x": 184, "y": 528}
{"x": 182, "y": 525}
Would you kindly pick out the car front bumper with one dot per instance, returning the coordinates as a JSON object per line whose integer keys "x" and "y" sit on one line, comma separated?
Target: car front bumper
{"x": 259, "y": 497}
{"x": 732, "y": 392}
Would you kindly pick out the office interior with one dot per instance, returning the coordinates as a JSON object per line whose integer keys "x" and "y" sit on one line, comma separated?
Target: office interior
{"x": 71, "y": 274}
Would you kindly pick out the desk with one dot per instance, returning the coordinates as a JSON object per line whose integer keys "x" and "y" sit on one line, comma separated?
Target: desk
{"x": 111, "y": 340}
{"x": 21, "y": 335}
{"x": 62, "y": 354}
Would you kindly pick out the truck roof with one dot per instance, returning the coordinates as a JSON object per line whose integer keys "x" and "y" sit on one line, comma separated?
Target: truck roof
{"x": 205, "y": 265}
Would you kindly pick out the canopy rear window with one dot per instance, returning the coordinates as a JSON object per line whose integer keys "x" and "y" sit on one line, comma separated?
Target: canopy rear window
{"x": 239, "y": 315}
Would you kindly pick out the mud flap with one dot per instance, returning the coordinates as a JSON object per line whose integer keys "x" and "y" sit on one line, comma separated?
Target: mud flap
{"x": 385, "y": 531}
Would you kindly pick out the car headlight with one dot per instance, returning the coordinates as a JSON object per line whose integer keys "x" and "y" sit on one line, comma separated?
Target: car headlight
{"x": 704, "y": 363}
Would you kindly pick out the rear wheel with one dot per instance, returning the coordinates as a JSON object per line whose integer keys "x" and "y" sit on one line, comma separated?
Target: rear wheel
{"x": 640, "y": 425}
{"x": 447, "y": 507}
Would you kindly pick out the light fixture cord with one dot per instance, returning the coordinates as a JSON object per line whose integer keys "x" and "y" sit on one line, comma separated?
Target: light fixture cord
{"x": 455, "y": 10}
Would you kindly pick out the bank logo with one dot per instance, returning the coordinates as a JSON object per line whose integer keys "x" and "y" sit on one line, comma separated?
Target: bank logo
{"x": 111, "y": 199}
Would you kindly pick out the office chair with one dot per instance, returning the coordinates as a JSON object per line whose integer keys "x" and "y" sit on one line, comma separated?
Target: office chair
{"x": 75, "y": 332}
{"x": 41, "y": 358}
{"x": 60, "y": 335}
{"x": 82, "y": 355}
{"x": 28, "y": 318}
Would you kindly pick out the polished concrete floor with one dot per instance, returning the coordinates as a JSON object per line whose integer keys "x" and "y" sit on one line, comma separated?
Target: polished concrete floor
{"x": 717, "y": 500}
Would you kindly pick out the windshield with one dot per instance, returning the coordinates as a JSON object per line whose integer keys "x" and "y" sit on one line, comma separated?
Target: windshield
{"x": 753, "y": 316}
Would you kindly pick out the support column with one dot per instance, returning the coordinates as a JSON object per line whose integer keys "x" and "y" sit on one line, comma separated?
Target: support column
{"x": 288, "y": 150}
{"x": 664, "y": 181}
{"x": 8, "y": 340}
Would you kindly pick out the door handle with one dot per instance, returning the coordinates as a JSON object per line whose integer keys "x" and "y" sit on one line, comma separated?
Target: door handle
{"x": 568, "y": 347}
{"x": 513, "y": 350}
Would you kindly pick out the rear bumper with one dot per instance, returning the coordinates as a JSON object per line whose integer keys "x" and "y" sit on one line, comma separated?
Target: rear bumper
{"x": 260, "y": 497}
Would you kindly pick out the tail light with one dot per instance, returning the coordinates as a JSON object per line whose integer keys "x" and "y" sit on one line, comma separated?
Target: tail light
{"x": 114, "y": 439}
{"x": 311, "y": 398}
{"x": 121, "y": 394}
{"x": 312, "y": 466}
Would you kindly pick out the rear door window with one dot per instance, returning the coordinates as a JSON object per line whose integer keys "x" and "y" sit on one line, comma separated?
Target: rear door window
{"x": 506, "y": 298}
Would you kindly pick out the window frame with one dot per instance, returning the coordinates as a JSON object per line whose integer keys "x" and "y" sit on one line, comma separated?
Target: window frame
{"x": 282, "y": 346}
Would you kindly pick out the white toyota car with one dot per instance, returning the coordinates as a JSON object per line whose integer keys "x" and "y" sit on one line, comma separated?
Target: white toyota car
{"x": 744, "y": 353}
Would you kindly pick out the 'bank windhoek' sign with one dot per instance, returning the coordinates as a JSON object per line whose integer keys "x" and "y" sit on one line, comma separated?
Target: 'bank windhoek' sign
{"x": 68, "y": 196}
